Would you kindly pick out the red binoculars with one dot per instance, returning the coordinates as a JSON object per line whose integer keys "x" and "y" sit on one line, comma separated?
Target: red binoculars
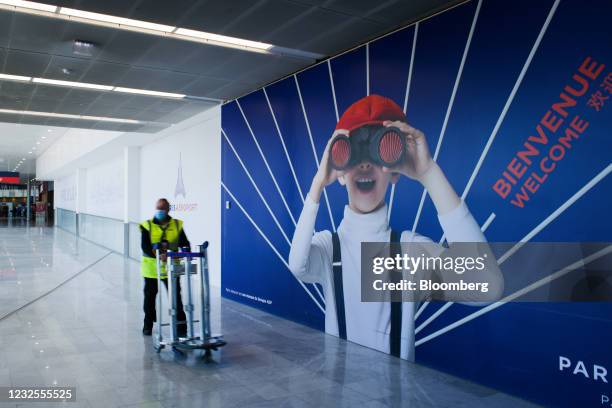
{"x": 384, "y": 146}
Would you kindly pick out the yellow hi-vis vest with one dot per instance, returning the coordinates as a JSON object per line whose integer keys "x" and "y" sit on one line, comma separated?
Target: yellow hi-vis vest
{"x": 170, "y": 233}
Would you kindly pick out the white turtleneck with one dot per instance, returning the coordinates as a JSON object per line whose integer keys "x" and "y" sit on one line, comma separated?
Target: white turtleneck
{"x": 310, "y": 260}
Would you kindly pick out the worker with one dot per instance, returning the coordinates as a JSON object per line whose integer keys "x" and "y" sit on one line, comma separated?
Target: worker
{"x": 162, "y": 228}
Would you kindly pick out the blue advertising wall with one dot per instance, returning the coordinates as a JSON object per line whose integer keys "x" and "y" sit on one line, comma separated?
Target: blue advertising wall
{"x": 477, "y": 80}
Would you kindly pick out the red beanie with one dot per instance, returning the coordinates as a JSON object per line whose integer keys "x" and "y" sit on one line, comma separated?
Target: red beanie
{"x": 371, "y": 110}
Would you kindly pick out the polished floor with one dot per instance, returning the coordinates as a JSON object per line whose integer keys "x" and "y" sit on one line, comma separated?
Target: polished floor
{"x": 70, "y": 314}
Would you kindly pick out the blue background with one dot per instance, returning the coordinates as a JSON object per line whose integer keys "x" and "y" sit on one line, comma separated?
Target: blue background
{"x": 515, "y": 347}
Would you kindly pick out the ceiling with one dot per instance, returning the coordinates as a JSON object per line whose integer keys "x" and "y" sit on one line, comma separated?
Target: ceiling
{"x": 17, "y": 140}
{"x": 38, "y": 46}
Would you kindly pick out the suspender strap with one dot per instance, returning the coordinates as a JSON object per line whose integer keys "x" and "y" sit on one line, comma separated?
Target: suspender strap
{"x": 338, "y": 286}
{"x": 395, "y": 335}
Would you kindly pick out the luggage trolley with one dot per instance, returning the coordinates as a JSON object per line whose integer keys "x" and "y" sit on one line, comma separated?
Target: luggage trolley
{"x": 180, "y": 263}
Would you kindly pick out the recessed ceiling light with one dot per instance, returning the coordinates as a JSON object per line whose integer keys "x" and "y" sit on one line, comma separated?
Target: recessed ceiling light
{"x": 83, "y": 48}
{"x": 43, "y": 137}
{"x": 15, "y": 77}
{"x": 72, "y": 84}
{"x": 29, "y": 152}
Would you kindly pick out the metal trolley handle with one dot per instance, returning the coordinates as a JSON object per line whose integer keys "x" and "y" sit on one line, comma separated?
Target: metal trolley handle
{"x": 204, "y": 340}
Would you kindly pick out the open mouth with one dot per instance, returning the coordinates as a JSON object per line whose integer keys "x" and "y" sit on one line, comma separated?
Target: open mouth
{"x": 365, "y": 184}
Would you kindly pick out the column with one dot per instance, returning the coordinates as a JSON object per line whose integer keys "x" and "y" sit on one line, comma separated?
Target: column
{"x": 131, "y": 193}
{"x": 80, "y": 201}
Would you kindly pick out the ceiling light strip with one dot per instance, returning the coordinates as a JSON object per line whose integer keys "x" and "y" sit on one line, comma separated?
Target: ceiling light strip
{"x": 115, "y": 20}
{"x": 72, "y": 84}
{"x": 30, "y": 5}
{"x": 17, "y": 78}
{"x": 78, "y": 117}
{"x": 155, "y": 29}
{"x": 149, "y": 93}
{"x": 98, "y": 87}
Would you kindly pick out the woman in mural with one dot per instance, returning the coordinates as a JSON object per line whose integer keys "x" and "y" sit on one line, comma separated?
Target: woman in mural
{"x": 334, "y": 260}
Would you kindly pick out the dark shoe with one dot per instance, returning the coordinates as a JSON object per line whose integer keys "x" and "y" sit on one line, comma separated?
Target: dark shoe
{"x": 147, "y": 331}
{"x": 181, "y": 330}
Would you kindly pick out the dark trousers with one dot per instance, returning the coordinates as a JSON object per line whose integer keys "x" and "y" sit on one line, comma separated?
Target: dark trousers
{"x": 150, "y": 292}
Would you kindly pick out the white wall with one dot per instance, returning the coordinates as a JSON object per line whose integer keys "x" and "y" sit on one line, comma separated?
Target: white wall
{"x": 73, "y": 145}
{"x": 121, "y": 176}
{"x": 104, "y": 189}
{"x": 196, "y": 148}
{"x": 65, "y": 192}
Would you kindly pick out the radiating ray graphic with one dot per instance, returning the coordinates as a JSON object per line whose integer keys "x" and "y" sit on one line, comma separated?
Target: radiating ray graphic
{"x": 407, "y": 94}
{"x": 321, "y": 297}
{"x": 265, "y": 162}
{"x": 425, "y": 304}
{"x": 578, "y": 264}
{"x": 314, "y": 150}
{"x": 449, "y": 107}
{"x": 282, "y": 140}
{"x": 263, "y": 199}
{"x": 410, "y": 68}
{"x": 333, "y": 88}
{"x": 502, "y": 115}
{"x": 517, "y": 84}
{"x": 421, "y": 310}
{"x": 556, "y": 213}
{"x": 488, "y": 222}
{"x": 391, "y": 197}
{"x": 367, "y": 69}
{"x": 246, "y": 214}
{"x": 582, "y": 191}
{"x": 432, "y": 317}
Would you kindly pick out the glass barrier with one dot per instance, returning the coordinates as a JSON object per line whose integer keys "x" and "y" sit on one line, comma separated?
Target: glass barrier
{"x": 66, "y": 219}
{"x": 107, "y": 232}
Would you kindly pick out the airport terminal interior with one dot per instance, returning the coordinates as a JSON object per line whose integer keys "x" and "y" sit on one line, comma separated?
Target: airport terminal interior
{"x": 194, "y": 195}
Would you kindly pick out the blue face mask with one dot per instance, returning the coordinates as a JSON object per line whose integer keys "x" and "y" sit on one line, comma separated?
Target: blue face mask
{"x": 160, "y": 215}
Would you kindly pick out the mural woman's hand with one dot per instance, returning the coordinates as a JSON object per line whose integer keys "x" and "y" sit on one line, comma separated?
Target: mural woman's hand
{"x": 417, "y": 161}
{"x": 326, "y": 173}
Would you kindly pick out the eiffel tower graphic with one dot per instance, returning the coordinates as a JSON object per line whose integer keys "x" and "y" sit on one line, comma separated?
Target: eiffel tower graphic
{"x": 180, "y": 187}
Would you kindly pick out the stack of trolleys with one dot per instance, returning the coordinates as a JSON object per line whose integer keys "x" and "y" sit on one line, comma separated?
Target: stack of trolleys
{"x": 179, "y": 264}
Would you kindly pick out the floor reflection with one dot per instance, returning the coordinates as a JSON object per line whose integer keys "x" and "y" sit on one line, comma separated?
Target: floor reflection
{"x": 86, "y": 334}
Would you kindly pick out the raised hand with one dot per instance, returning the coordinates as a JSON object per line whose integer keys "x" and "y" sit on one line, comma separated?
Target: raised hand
{"x": 326, "y": 173}
{"x": 417, "y": 160}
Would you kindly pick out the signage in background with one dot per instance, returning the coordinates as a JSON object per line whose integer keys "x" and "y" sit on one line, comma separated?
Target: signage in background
{"x": 517, "y": 111}
{"x": 180, "y": 204}
{"x": 9, "y": 177}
